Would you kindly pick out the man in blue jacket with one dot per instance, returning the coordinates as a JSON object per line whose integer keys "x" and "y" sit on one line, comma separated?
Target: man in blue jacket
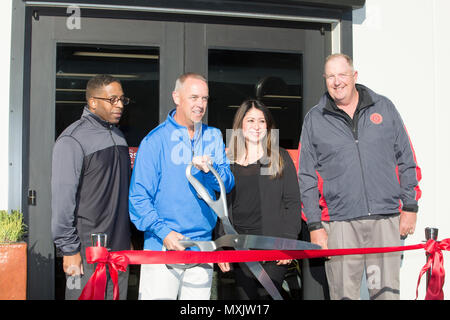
{"x": 164, "y": 205}
{"x": 356, "y": 151}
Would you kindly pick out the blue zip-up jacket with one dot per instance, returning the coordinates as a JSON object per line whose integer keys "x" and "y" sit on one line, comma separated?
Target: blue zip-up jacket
{"x": 161, "y": 199}
{"x": 351, "y": 168}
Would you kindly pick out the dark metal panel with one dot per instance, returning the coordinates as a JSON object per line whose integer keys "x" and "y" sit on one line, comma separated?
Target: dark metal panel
{"x": 196, "y": 9}
{"x": 196, "y": 51}
{"x": 41, "y": 126}
{"x": 249, "y": 19}
{"x": 171, "y": 65}
{"x": 346, "y": 34}
{"x": 354, "y": 4}
{"x": 314, "y": 57}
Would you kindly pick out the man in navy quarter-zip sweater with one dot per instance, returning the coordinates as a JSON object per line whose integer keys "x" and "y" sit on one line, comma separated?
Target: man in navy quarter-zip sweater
{"x": 357, "y": 166}
{"x": 162, "y": 202}
{"x": 90, "y": 179}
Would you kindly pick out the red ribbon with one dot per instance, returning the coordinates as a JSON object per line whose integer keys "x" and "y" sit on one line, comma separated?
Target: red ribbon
{"x": 96, "y": 286}
{"x": 435, "y": 261}
{"x": 118, "y": 261}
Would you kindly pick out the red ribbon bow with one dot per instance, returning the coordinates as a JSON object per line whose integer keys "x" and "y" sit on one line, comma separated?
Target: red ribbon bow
{"x": 436, "y": 263}
{"x": 95, "y": 288}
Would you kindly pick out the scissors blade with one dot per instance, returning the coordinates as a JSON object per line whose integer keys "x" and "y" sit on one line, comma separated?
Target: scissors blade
{"x": 250, "y": 242}
{"x": 263, "y": 242}
{"x": 264, "y": 279}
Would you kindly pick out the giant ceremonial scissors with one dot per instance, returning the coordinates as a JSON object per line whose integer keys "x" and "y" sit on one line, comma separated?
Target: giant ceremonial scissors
{"x": 237, "y": 241}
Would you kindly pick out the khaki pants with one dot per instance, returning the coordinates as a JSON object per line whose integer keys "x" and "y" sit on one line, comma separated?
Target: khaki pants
{"x": 344, "y": 273}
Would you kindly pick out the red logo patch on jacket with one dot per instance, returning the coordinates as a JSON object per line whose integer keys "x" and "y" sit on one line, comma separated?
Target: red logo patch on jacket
{"x": 376, "y": 118}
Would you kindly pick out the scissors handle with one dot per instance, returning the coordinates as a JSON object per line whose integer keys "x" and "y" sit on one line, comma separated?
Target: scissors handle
{"x": 219, "y": 206}
{"x": 202, "y": 245}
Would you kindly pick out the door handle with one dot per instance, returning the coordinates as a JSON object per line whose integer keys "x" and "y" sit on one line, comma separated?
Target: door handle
{"x": 31, "y": 197}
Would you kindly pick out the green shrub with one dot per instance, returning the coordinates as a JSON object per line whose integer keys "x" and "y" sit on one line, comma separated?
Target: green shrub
{"x": 12, "y": 227}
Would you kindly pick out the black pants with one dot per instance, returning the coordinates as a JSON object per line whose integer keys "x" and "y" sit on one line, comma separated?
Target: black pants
{"x": 75, "y": 285}
{"x": 251, "y": 288}
{"x": 314, "y": 278}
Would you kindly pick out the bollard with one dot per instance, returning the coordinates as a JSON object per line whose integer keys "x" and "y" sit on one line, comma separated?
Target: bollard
{"x": 430, "y": 233}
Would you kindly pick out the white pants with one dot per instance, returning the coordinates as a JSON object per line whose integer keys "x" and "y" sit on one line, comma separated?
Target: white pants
{"x": 159, "y": 282}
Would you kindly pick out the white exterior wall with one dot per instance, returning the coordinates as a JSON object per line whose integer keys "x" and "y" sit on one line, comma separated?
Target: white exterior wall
{"x": 400, "y": 49}
{"x": 5, "y": 58}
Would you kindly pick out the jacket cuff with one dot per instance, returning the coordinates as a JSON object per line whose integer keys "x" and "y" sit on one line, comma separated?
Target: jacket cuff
{"x": 411, "y": 208}
{"x": 314, "y": 226}
{"x": 68, "y": 251}
{"x": 163, "y": 232}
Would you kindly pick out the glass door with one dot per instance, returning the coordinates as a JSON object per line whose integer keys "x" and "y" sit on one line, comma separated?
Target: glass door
{"x": 274, "y": 78}
{"x": 146, "y": 56}
{"x": 282, "y": 67}
{"x": 136, "y": 67}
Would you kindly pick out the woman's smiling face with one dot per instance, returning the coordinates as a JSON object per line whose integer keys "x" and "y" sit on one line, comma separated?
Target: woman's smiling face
{"x": 254, "y": 126}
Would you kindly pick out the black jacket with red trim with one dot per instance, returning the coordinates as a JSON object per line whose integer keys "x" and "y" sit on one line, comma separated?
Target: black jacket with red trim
{"x": 361, "y": 166}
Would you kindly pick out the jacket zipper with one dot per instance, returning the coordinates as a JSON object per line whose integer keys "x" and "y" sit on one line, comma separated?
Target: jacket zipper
{"x": 353, "y": 125}
{"x": 112, "y": 138}
{"x": 110, "y": 134}
{"x": 192, "y": 141}
{"x": 354, "y": 128}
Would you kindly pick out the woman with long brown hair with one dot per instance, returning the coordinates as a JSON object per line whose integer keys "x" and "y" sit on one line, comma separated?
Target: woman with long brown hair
{"x": 266, "y": 197}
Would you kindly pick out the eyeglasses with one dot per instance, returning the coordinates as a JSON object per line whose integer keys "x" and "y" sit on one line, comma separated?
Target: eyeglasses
{"x": 115, "y": 100}
{"x": 340, "y": 76}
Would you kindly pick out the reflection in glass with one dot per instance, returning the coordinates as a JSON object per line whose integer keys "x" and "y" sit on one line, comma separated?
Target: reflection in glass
{"x": 136, "y": 67}
{"x": 275, "y": 78}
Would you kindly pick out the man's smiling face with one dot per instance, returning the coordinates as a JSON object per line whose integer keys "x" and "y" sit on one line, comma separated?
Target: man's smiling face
{"x": 191, "y": 101}
{"x": 340, "y": 80}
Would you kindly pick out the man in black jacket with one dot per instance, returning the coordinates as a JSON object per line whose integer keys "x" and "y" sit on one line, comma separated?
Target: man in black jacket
{"x": 90, "y": 179}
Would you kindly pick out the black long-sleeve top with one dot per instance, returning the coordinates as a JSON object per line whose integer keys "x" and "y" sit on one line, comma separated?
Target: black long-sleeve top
{"x": 273, "y": 204}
